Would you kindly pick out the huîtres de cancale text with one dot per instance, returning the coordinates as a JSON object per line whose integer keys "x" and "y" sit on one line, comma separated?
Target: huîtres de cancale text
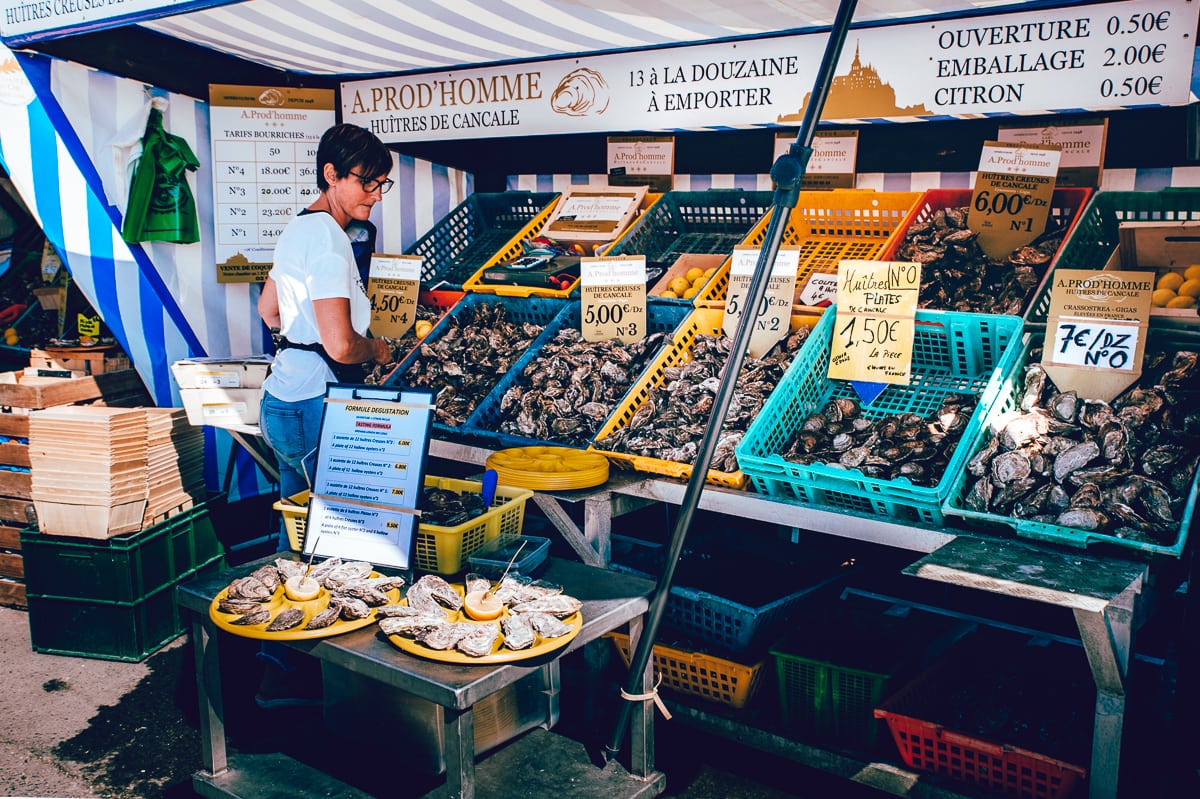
{"x": 48, "y": 9}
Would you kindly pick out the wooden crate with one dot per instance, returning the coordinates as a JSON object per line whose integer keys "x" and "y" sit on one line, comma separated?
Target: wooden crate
{"x": 15, "y": 423}
{"x": 12, "y": 567}
{"x": 19, "y": 391}
{"x": 14, "y": 453}
{"x": 16, "y": 485}
{"x": 18, "y": 512}
{"x": 89, "y": 360}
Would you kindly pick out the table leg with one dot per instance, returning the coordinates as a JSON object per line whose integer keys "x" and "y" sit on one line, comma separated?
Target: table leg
{"x": 458, "y": 727}
{"x": 208, "y": 691}
{"x": 641, "y": 719}
{"x": 1107, "y": 638}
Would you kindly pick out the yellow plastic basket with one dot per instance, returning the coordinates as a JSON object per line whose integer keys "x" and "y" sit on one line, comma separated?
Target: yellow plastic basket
{"x": 513, "y": 250}
{"x": 828, "y": 226}
{"x": 441, "y": 550}
{"x": 701, "y": 320}
{"x": 699, "y": 674}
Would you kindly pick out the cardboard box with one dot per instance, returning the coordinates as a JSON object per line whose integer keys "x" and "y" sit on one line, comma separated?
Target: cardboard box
{"x": 222, "y": 372}
{"x": 88, "y": 360}
{"x": 594, "y": 213}
{"x": 221, "y": 407}
{"x": 701, "y": 261}
{"x": 1163, "y": 247}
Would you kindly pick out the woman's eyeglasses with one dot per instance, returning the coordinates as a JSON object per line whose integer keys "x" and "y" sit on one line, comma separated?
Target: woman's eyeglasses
{"x": 371, "y": 185}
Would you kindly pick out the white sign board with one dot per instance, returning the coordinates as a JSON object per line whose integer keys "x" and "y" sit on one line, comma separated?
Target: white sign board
{"x": 1016, "y": 63}
{"x": 30, "y": 20}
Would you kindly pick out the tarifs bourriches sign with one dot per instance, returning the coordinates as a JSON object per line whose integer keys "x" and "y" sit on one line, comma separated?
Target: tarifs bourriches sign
{"x": 1094, "y": 57}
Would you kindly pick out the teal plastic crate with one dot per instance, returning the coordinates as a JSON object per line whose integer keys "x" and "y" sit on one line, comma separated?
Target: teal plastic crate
{"x": 953, "y": 353}
{"x": 124, "y": 568}
{"x": 1096, "y": 234}
{"x": 128, "y": 631}
{"x": 467, "y": 237}
{"x": 1008, "y": 400}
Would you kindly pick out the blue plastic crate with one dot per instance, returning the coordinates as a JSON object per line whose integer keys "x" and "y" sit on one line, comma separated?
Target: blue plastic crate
{"x": 534, "y": 310}
{"x": 953, "y": 353}
{"x": 464, "y": 239}
{"x": 1008, "y": 400}
{"x": 484, "y": 423}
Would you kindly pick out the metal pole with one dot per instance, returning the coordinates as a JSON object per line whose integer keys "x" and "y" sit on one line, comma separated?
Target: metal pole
{"x": 787, "y": 173}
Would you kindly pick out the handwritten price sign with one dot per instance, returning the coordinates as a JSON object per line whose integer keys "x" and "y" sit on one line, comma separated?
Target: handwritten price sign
{"x": 613, "y": 298}
{"x": 876, "y": 314}
{"x": 1090, "y": 342}
{"x": 773, "y": 315}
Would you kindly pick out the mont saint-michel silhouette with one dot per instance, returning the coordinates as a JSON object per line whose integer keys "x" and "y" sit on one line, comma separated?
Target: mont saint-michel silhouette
{"x": 858, "y": 94}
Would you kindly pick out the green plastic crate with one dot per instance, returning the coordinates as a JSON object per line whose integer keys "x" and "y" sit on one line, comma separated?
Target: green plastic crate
{"x": 953, "y": 353}
{"x": 124, "y": 568}
{"x": 1096, "y": 234}
{"x": 128, "y": 631}
{"x": 478, "y": 228}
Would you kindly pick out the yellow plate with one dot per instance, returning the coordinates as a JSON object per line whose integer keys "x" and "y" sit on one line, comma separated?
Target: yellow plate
{"x": 499, "y": 654}
{"x": 279, "y": 602}
{"x": 549, "y": 468}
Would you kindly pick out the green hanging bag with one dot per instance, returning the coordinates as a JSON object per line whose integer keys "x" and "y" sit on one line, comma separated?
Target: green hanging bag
{"x": 161, "y": 206}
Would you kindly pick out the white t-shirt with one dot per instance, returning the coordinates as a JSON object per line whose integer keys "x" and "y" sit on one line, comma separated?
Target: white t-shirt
{"x": 313, "y": 261}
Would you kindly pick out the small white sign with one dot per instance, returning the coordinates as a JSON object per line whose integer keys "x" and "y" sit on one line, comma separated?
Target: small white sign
{"x": 1106, "y": 344}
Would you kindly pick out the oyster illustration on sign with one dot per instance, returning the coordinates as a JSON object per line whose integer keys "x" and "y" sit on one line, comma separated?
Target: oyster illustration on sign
{"x": 582, "y": 92}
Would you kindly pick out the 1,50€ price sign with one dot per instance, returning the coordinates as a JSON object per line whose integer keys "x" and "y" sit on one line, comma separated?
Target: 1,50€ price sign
{"x": 876, "y": 313}
{"x": 774, "y": 311}
{"x": 393, "y": 287}
{"x": 613, "y": 298}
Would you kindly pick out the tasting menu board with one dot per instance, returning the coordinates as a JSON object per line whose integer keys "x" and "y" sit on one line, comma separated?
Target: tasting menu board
{"x": 370, "y": 473}
{"x": 264, "y": 148}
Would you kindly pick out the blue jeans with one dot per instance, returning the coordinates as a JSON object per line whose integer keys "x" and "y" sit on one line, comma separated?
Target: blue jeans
{"x": 292, "y": 430}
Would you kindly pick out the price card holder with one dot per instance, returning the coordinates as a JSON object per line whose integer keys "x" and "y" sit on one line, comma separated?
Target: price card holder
{"x": 613, "y": 298}
{"x": 774, "y": 311}
{"x": 1096, "y": 331}
{"x": 873, "y": 332}
{"x": 637, "y": 160}
{"x": 833, "y": 164}
{"x": 1011, "y": 199}
{"x": 370, "y": 473}
{"x": 393, "y": 286}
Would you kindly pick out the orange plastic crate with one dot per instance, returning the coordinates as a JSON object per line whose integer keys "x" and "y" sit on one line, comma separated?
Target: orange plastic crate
{"x": 699, "y": 674}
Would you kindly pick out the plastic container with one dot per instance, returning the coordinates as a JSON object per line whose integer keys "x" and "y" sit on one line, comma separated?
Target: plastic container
{"x": 441, "y": 550}
{"x": 953, "y": 353}
{"x": 1066, "y": 206}
{"x": 1096, "y": 235}
{"x": 109, "y": 630}
{"x": 715, "y": 679}
{"x": 711, "y": 222}
{"x": 1018, "y": 693}
{"x": 474, "y": 232}
{"x": 513, "y": 250}
{"x": 828, "y": 226}
{"x": 491, "y": 562}
{"x": 700, "y": 320}
{"x": 484, "y": 423}
{"x": 959, "y": 483}
{"x": 124, "y": 568}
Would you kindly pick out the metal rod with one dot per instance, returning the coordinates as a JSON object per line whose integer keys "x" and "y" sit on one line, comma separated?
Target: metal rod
{"x": 787, "y": 173}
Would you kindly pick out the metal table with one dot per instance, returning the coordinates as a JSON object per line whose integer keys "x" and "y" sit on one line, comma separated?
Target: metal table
{"x": 610, "y": 601}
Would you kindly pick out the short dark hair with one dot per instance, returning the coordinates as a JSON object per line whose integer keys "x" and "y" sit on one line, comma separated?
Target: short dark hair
{"x": 348, "y": 146}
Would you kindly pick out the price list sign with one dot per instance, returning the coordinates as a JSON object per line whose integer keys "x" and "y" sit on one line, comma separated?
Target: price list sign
{"x": 774, "y": 310}
{"x": 876, "y": 314}
{"x": 613, "y": 298}
{"x": 393, "y": 287}
{"x": 1095, "y": 331}
{"x": 264, "y": 153}
{"x": 1011, "y": 199}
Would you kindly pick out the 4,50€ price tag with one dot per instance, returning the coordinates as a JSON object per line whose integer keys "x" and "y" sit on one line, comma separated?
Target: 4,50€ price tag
{"x": 613, "y": 298}
{"x": 393, "y": 287}
{"x": 774, "y": 311}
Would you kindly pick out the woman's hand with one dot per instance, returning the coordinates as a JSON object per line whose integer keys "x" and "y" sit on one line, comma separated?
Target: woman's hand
{"x": 383, "y": 351}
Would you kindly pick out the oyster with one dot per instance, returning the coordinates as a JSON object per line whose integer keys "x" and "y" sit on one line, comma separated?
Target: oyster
{"x": 411, "y": 626}
{"x": 445, "y": 635}
{"x": 518, "y": 633}
{"x": 286, "y": 620}
{"x": 323, "y": 619}
{"x": 440, "y": 590}
{"x": 547, "y": 625}
{"x": 260, "y": 616}
{"x": 238, "y": 606}
{"x": 249, "y": 588}
{"x": 479, "y": 641}
{"x": 558, "y": 605}
{"x": 268, "y": 576}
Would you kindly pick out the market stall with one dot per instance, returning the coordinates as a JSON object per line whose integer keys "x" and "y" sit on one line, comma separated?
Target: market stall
{"x": 468, "y": 87}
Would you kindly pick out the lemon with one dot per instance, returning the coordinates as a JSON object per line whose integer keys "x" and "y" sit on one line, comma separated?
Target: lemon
{"x": 422, "y": 328}
{"x": 712, "y": 270}
{"x": 1192, "y": 272}
{"x": 1161, "y": 297}
{"x": 1170, "y": 280}
{"x": 694, "y": 274}
{"x": 1182, "y": 301}
{"x": 691, "y": 292}
{"x": 482, "y": 605}
{"x": 669, "y": 294}
{"x": 699, "y": 282}
{"x": 679, "y": 285}
{"x": 1190, "y": 288}
{"x": 301, "y": 588}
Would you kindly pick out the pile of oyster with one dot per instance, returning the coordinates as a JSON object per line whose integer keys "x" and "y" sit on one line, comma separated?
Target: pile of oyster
{"x": 432, "y": 616}
{"x": 467, "y": 361}
{"x": 403, "y": 345}
{"x": 447, "y": 508}
{"x": 352, "y": 594}
{"x": 1123, "y": 469}
{"x": 669, "y": 423}
{"x": 956, "y": 275}
{"x": 896, "y": 445}
{"x": 566, "y": 392}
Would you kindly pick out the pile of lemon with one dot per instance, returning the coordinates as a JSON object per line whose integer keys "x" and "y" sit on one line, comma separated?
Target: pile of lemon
{"x": 685, "y": 287}
{"x": 1174, "y": 290}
